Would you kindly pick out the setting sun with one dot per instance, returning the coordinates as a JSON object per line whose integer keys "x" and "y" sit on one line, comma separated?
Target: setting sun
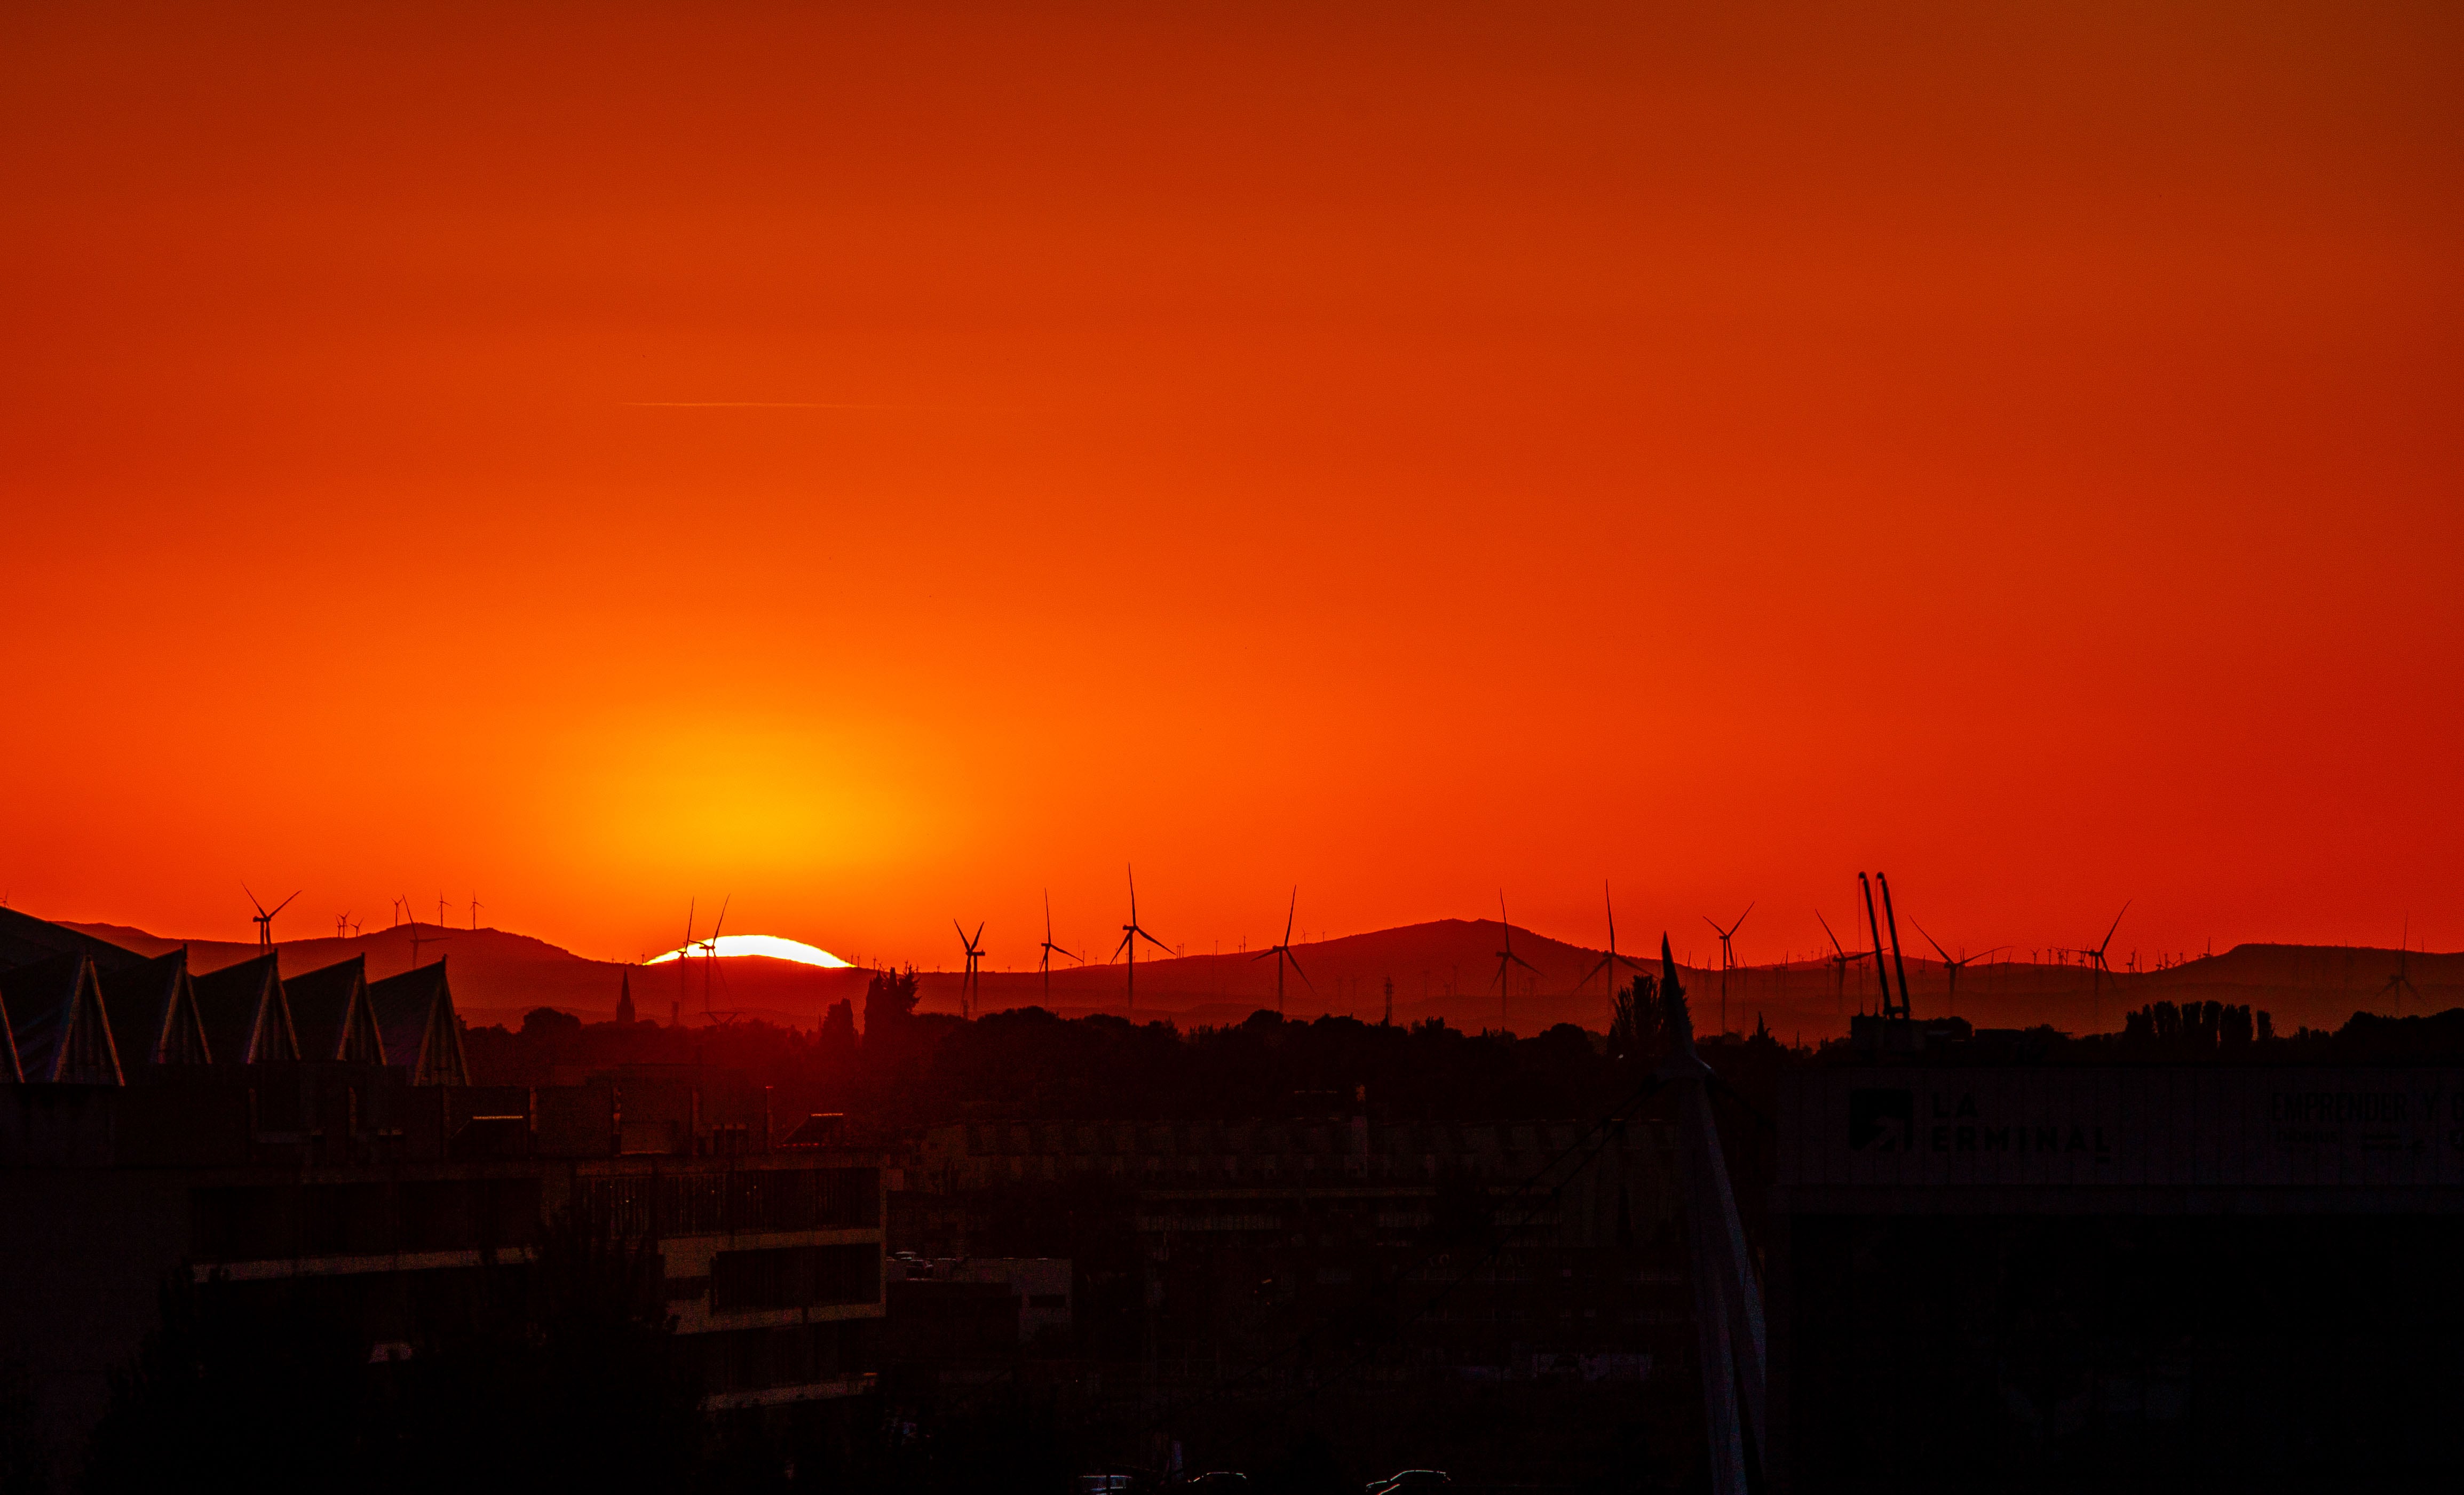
{"x": 771, "y": 945}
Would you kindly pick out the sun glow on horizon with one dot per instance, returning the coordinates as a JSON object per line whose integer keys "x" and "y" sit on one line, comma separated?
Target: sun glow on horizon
{"x": 771, "y": 945}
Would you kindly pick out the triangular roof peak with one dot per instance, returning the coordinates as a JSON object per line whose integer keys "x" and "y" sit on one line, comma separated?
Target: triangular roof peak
{"x": 330, "y": 1010}
{"x": 60, "y": 1028}
{"x": 248, "y": 1021}
{"x": 414, "y": 1012}
{"x": 10, "y": 1070}
{"x": 27, "y": 940}
{"x": 153, "y": 1008}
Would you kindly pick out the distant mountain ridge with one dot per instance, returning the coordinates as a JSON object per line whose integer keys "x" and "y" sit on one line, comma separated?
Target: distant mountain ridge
{"x": 1444, "y": 968}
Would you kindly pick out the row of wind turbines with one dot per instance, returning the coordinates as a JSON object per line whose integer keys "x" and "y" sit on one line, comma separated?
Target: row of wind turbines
{"x": 971, "y": 987}
{"x": 1879, "y": 916}
{"x": 1286, "y": 957}
{"x": 346, "y": 928}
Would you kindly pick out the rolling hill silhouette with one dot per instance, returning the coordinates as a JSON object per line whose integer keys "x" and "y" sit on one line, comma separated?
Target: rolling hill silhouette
{"x": 1446, "y": 967}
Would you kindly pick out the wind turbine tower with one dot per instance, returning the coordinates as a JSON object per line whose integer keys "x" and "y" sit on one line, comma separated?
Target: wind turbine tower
{"x": 1612, "y": 960}
{"x": 710, "y": 960}
{"x": 263, "y": 917}
{"x": 2098, "y": 970}
{"x": 2401, "y": 984}
{"x": 1049, "y": 949}
{"x": 1284, "y": 952}
{"x": 684, "y": 959}
{"x": 1727, "y": 959}
{"x": 968, "y": 989}
{"x": 1131, "y": 934}
{"x": 1952, "y": 968}
{"x": 1840, "y": 960}
{"x": 1506, "y": 958}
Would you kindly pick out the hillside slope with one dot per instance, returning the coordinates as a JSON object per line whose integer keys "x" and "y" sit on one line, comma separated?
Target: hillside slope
{"x": 1446, "y": 967}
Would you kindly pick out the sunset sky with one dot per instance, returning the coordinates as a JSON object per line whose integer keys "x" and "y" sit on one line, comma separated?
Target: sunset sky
{"x": 878, "y": 463}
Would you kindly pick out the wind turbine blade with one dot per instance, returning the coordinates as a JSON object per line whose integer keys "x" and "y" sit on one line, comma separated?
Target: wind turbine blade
{"x": 1152, "y": 940}
{"x": 2117, "y": 924}
{"x": 1612, "y": 908}
{"x": 260, "y": 907}
{"x": 1596, "y": 970}
{"x": 979, "y": 935}
{"x": 1715, "y": 927}
{"x": 1526, "y": 964}
{"x": 1304, "y": 975}
{"x": 1117, "y": 949}
{"x": 1268, "y": 951}
{"x": 1742, "y": 917}
{"x": 1836, "y": 946}
{"x": 723, "y": 918}
{"x": 1294, "y": 913}
{"x": 1936, "y": 944}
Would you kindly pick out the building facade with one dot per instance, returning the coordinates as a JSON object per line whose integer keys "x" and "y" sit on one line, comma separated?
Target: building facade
{"x": 2108, "y": 1277}
{"x": 384, "y": 1205}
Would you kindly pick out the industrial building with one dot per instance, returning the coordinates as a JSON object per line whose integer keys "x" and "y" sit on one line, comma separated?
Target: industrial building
{"x": 1203, "y": 1245}
{"x": 317, "y": 1138}
{"x": 2052, "y": 1276}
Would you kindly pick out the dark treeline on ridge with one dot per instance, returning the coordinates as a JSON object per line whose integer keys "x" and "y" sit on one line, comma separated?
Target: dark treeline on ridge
{"x": 910, "y": 1069}
{"x": 905, "y": 1069}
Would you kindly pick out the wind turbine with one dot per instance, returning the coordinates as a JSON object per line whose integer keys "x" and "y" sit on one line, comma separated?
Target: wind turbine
{"x": 1727, "y": 959}
{"x": 264, "y": 917}
{"x": 416, "y": 942}
{"x": 968, "y": 989}
{"x": 1612, "y": 960}
{"x": 1284, "y": 952}
{"x": 710, "y": 959}
{"x": 1840, "y": 960}
{"x": 1131, "y": 934}
{"x": 1049, "y": 949}
{"x": 2401, "y": 984}
{"x": 476, "y": 907}
{"x": 2098, "y": 970}
{"x": 343, "y": 925}
{"x": 684, "y": 957}
{"x": 1506, "y": 958}
{"x": 1952, "y": 968}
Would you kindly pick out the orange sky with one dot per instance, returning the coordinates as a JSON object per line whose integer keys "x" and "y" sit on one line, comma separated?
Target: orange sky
{"x": 882, "y": 461}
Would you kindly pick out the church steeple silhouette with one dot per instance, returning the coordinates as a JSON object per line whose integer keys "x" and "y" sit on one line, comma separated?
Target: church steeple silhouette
{"x": 625, "y": 999}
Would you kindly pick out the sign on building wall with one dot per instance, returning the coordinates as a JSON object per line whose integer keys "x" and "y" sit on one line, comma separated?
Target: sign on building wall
{"x": 2224, "y": 1126}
